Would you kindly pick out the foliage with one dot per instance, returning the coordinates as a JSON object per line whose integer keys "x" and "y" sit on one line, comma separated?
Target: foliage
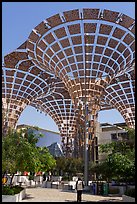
{"x": 120, "y": 160}
{"x": 130, "y": 192}
{"x": 69, "y": 166}
{"x": 20, "y": 153}
{"x": 131, "y": 133}
{"x": 30, "y": 136}
{"x": 73, "y": 166}
{"x": 113, "y": 147}
{"x": 47, "y": 160}
{"x": 131, "y": 136}
{"x": 31, "y": 177}
{"x": 65, "y": 178}
{"x": 11, "y": 190}
{"x": 102, "y": 170}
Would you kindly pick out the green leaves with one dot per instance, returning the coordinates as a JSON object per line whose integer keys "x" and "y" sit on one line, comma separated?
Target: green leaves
{"x": 70, "y": 166}
{"x": 19, "y": 153}
{"x": 46, "y": 159}
{"x": 120, "y": 159}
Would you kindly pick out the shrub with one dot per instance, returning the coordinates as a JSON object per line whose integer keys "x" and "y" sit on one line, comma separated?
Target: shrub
{"x": 31, "y": 177}
{"x": 11, "y": 190}
{"x": 17, "y": 189}
{"x": 7, "y": 190}
{"x": 130, "y": 192}
{"x": 65, "y": 178}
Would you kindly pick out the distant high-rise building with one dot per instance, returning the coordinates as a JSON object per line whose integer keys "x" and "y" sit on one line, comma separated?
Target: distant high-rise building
{"x": 55, "y": 149}
{"x": 48, "y": 138}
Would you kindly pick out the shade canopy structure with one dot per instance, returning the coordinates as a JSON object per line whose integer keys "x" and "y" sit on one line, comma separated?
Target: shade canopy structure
{"x": 85, "y": 48}
{"x": 89, "y": 50}
{"x": 73, "y": 65}
{"x": 22, "y": 82}
{"x": 59, "y": 106}
{"x": 121, "y": 94}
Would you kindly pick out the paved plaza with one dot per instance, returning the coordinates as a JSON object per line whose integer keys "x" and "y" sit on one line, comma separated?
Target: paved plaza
{"x": 39, "y": 194}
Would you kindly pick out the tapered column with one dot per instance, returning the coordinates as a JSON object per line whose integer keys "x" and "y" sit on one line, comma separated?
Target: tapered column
{"x": 91, "y": 116}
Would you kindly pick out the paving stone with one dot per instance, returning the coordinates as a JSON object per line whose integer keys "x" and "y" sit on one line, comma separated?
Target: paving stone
{"x": 39, "y": 194}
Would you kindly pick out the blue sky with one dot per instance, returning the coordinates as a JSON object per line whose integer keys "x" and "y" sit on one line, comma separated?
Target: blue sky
{"x": 18, "y": 20}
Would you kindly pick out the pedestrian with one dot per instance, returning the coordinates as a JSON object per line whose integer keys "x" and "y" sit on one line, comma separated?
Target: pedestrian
{"x": 49, "y": 176}
{"x": 79, "y": 188}
{"x": 44, "y": 176}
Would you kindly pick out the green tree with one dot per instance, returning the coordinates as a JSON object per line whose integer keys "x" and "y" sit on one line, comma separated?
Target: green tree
{"x": 74, "y": 166}
{"x": 17, "y": 153}
{"x": 30, "y": 136}
{"x": 120, "y": 161}
{"x": 131, "y": 137}
{"x": 60, "y": 166}
{"x": 69, "y": 166}
{"x": 47, "y": 160}
{"x": 102, "y": 170}
{"x": 20, "y": 154}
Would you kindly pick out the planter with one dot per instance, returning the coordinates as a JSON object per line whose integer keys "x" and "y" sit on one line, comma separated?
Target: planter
{"x": 14, "y": 198}
{"x": 48, "y": 184}
{"x": 19, "y": 180}
{"x": 65, "y": 187}
{"x": 44, "y": 185}
{"x": 56, "y": 178}
{"x": 122, "y": 189}
{"x": 126, "y": 198}
{"x": 54, "y": 184}
{"x": 32, "y": 183}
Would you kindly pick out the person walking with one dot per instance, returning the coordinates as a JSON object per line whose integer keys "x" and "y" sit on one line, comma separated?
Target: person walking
{"x": 44, "y": 176}
{"x": 79, "y": 188}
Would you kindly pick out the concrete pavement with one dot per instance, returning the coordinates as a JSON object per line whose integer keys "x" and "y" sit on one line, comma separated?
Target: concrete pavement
{"x": 39, "y": 194}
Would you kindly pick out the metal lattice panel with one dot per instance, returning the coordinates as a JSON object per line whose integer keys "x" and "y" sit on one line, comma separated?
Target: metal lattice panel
{"x": 59, "y": 106}
{"x": 121, "y": 94}
{"x": 87, "y": 52}
{"x": 21, "y": 83}
{"x": 85, "y": 48}
{"x": 13, "y": 110}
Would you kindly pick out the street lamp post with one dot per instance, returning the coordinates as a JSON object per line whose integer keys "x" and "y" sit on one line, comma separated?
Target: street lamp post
{"x": 86, "y": 146}
{"x": 85, "y": 104}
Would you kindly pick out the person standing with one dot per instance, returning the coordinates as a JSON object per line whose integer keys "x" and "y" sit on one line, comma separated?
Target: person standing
{"x": 44, "y": 176}
{"x": 79, "y": 188}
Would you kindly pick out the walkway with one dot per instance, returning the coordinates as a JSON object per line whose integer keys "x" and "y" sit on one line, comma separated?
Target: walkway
{"x": 39, "y": 194}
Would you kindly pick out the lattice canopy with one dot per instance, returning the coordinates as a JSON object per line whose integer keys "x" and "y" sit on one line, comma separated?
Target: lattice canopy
{"x": 22, "y": 82}
{"x": 59, "y": 106}
{"x": 74, "y": 57}
{"x": 121, "y": 94}
{"x": 85, "y": 48}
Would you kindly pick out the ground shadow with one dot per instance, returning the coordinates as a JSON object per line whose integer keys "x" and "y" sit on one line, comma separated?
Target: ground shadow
{"x": 81, "y": 201}
{"x": 68, "y": 191}
{"x": 27, "y": 197}
{"x": 110, "y": 200}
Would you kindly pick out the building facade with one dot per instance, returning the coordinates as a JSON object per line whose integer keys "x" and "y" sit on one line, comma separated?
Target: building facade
{"x": 105, "y": 133}
{"x": 110, "y": 133}
{"x": 48, "y": 138}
